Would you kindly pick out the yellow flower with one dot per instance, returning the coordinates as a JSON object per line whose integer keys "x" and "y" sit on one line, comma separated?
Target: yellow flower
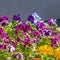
{"x": 37, "y": 58}
{"x": 46, "y": 50}
{"x": 57, "y": 53}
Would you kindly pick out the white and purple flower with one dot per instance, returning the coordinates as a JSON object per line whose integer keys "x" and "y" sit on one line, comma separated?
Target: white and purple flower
{"x": 47, "y": 32}
{"x": 4, "y": 21}
{"x": 19, "y": 56}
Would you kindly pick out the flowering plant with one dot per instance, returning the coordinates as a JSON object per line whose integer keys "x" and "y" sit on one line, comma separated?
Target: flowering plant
{"x": 31, "y": 40}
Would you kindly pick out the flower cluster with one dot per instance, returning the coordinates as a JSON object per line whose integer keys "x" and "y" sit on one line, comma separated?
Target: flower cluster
{"x": 31, "y": 40}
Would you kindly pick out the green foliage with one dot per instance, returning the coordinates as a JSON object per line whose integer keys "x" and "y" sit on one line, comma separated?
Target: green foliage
{"x": 3, "y": 55}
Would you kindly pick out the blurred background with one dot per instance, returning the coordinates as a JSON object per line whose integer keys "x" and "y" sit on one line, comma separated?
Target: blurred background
{"x": 44, "y": 8}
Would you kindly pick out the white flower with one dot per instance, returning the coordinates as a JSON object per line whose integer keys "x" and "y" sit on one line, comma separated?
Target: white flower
{"x": 11, "y": 48}
{"x": 36, "y": 17}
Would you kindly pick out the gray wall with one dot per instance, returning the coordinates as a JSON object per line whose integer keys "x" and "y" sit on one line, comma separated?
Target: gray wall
{"x": 45, "y": 8}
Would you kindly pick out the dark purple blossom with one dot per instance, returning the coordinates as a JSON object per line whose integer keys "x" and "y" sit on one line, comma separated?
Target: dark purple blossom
{"x": 16, "y": 17}
{"x": 30, "y": 18}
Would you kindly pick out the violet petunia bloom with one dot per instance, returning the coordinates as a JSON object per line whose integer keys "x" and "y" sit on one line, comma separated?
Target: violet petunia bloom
{"x": 16, "y": 17}
{"x": 40, "y": 24}
{"x": 47, "y": 32}
{"x": 30, "y": 18}
{"x": 19, "y": 56}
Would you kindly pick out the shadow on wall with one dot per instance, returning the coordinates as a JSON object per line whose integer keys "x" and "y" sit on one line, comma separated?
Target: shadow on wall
{"x": 58, "y": 22}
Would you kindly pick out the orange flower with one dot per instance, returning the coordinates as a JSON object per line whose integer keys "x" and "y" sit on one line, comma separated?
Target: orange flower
{"x": 57, "y": 53}
{"x": 37, "y": 58}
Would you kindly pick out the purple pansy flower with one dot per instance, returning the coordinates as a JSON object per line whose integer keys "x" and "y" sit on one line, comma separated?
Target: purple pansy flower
{"x": 30, "y": 18}
{"x": 54, "y": 41}
{"x": 19, "y": 56}
{"x": 4, "y": 21}
{"x": 47, "y": 32}
{"x": 16, "y": 17}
